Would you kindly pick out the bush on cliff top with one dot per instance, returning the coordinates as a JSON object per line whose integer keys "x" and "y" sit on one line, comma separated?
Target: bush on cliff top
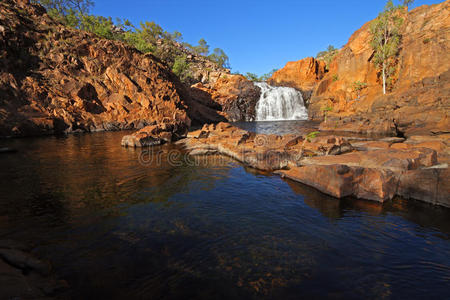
{"x": 327, "y": 55}
{"x": 146, "y": 38}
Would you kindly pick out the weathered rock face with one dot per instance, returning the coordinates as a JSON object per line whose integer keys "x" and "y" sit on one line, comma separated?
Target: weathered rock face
{"x": 155, "y": 135}
{"x": 419, "y": 102}
{"x": 368, "y": 169}
{"x": 54, "y": 79}
{"x": 302, "y": 75}
{"x": 233, "y": 95}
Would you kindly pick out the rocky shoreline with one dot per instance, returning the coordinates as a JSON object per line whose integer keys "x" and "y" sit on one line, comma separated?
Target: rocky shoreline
{"x": 365, "y": 168}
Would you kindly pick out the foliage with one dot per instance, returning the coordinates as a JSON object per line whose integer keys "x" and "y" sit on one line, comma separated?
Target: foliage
{"x": 181, "y": 67}
{"x": 358, "y": 86}
{"x": 328, "y": 54}
{"x": 335, "y": 77}
{"x": 266, "y": 76}
{"x": 220, "y": 58}
{"x": 311, "y": 135}
{"x": 325, "y": 111}
{"x": 385, "y": 41}
{"x": 147, "y": 37}
{"x": 99, "y": 25}
{"x": 202, "y": 48}
{"x": 252, "y": 76}
{"x": 68, "y": 12}
{"x": 256, "y": 78}
{"x": 407, "y": 3}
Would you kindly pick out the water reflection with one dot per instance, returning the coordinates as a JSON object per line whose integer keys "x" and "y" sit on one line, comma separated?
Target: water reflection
{"x": 420, "y": 213}
{"x": 115, "y": 228}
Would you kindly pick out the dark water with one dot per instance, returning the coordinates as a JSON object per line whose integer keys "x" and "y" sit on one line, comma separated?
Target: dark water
{"x": 115, "y": 228}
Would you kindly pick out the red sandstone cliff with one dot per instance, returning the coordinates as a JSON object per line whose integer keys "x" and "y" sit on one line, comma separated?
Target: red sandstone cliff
{"x": 57, "y": 79}
{"x": 302, "y": 75}
{"x": 419, "y": 102}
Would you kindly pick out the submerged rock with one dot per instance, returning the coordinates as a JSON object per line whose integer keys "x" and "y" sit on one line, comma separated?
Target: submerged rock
{"x": 23, "y": 276}
{"x": 7, "y": 150}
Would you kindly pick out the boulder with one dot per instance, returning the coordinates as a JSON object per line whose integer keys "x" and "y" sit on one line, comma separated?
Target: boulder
{"x": 155, "y": 135}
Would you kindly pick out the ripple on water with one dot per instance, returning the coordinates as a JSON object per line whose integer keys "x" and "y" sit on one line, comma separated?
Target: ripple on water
{"x": 114, "y": 228}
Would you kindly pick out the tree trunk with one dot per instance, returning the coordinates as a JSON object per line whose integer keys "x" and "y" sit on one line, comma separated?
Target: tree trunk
{"x": 384, "y": 78}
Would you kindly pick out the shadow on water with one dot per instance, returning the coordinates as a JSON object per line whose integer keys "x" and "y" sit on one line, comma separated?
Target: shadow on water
{"x": 114, "y": 226}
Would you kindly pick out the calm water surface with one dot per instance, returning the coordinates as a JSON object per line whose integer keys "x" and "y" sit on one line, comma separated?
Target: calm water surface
{"x": 116, "y": 228}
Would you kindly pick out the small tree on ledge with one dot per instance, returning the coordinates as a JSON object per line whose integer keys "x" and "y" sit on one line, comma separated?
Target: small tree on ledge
{"x": 358, "y": 86}
{"x": 385, "y": 41}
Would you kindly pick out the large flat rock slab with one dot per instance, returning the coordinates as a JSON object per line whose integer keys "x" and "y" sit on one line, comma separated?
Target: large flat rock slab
{"x": 341, "y": 167}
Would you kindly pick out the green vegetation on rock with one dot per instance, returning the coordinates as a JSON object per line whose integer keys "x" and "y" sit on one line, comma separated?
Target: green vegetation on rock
{"x": 385, "y": 42}
{"x": 256, "y": 78}
{"x": 181, "y": 67}
{"x": 327, "y": 55}
{"x": 148, "y": 37}
{"x": 358, "y": 86}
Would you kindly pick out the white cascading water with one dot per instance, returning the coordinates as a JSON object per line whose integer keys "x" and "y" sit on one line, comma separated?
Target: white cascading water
{"x": 279, "y": 103}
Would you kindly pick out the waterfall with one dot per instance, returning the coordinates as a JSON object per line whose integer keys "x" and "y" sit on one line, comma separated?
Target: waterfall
{"x": 279, "y": 103}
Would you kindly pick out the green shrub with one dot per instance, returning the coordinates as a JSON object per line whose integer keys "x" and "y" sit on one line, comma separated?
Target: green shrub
{"x": 181, "y": 67}
{"x": 325, "y": 111}
{"x": 358, "y": 86}
{"x": 327, "y": 55}
{"x": 311, "y": 135}
{"x": 146, "y": 38}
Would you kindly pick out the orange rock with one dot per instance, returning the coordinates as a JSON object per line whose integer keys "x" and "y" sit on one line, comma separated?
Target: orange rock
{"x": 155, "y": 135}
{"x": 323, "y": 163}
{"x": 341, "y": 181}
{"x": 430, "y": 185}
{"x": 302, "y": 75}
{"x": 72, "y": 80}
{"x": 234, "y": 95}
{"x": 419, "y": 101}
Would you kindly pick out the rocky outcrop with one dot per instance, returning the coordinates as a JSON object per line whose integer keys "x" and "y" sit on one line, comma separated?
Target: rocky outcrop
{"x": 302, "y": 75}
{"x": 23, "y": 276}
{"x": 200, "y": 68}
{"x": 359, "y": 167}
{"x": 233, "y": 95}
{"x": 419, "y": 102}
{"x": 54, "y": 79}
{"x": 155, "y": 135}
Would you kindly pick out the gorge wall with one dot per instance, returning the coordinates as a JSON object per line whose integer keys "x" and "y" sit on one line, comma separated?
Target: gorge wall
{"x": 419, "y": 102}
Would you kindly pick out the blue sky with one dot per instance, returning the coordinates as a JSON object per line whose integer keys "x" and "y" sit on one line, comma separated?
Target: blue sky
{"x": 258, "y": 36}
